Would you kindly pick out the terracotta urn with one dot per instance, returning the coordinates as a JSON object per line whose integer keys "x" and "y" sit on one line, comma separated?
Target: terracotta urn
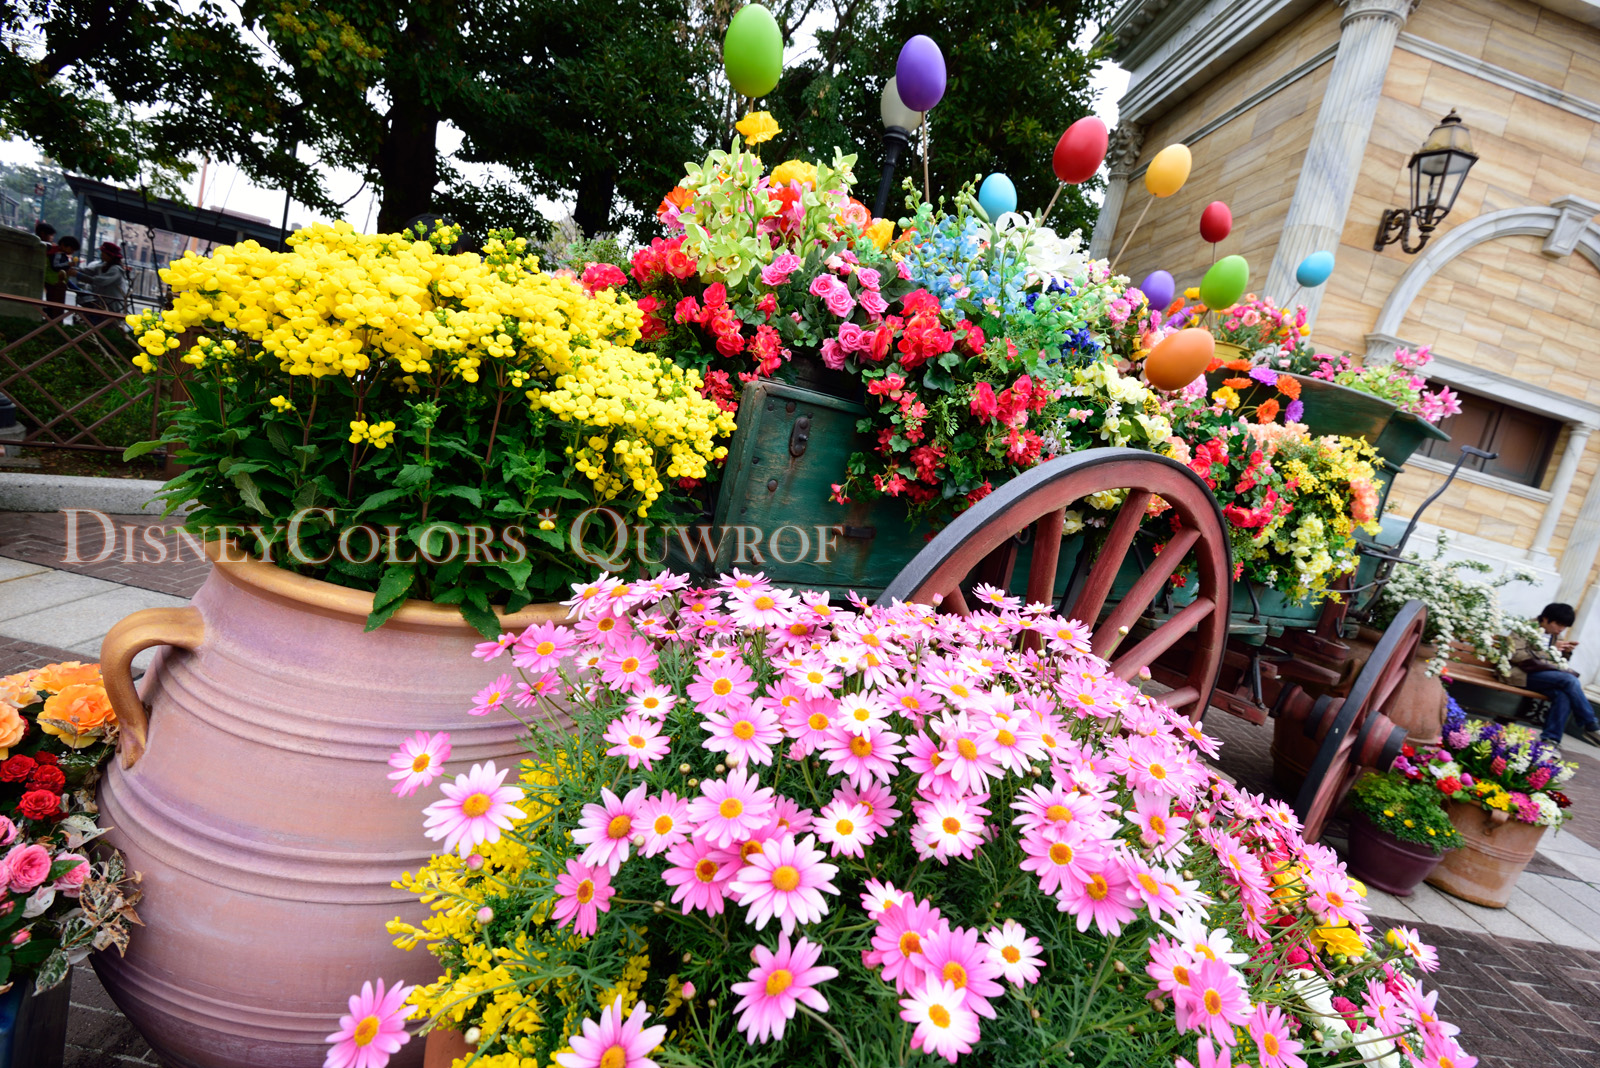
{"x": 1380, "y": 859}
{"x": 444, "y": 1048}
{"x": 255, "y": 802}
{"x": 1494, "y": 851}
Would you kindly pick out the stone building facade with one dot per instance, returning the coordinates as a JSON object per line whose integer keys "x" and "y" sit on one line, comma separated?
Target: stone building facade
{"x": 1302, "y": 116}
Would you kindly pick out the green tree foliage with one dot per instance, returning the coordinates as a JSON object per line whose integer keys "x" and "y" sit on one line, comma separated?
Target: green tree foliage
{"x": 1016, "y": 80}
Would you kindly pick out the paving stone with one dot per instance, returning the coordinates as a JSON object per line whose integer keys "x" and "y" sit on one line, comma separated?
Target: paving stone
{"x": 46, "y": 590}
{"x": 41, "y": 538}
{"x": 18, "y": 655}
{"x": 85, "y": 618}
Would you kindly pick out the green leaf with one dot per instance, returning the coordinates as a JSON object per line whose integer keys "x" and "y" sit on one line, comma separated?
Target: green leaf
{"x": 53, "y": 972}
{"x": 381, "y": 498}
{"x": 517, "y": 571}
{"x": 252, "y": 496}
{"x": 466, "y": 493}
{"x": 392, "y": 588}
{"x": 413, "y": 475}
{"x": 141, "y": 448}
{"x": 279, "y": 439}
{"x": 481, "y": 618}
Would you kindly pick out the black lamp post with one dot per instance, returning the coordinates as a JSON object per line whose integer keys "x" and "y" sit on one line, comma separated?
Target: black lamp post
{"x": 1438, "y": 170}
{"x": 899, "y": 122}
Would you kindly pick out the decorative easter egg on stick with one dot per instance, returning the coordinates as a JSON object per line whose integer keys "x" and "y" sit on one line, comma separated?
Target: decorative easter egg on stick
{"x": 1159, "y": 288}
{"x": 1314, "y": 269}
{"x": 1216, "y": 222}
{"x": 752, "y": 51}
{"x": 919, "y": 73}
{"x": 1224, "y": 283}
{"x": 1080, "y": 151}
{"x": 1168, "y": 170}
{"x": 997, "y": 195}
{"x": 1179, "y": 358}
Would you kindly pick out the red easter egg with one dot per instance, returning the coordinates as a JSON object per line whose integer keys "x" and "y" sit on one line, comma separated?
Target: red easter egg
{"x": 1179, "y": 358}
{"x": 1080, "y": 151}
{"x": 1216, "y": 222}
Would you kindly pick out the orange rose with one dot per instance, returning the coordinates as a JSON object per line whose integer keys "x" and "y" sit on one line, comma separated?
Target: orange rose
{"x": 12, "y": 728}
{"x": 58, "y": 677}
{"x": 77, "y": 714}
{"x": 16, "y": 691}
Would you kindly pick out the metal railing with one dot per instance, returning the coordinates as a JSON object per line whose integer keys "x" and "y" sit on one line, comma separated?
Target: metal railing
{"x": 72, "y": 376}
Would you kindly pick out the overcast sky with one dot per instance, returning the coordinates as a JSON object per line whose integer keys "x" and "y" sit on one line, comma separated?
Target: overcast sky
{"x": 226, "y": 188}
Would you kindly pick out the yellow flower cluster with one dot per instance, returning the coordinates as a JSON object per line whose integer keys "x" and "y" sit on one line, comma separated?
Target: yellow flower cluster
{"x": 363, "y": 306}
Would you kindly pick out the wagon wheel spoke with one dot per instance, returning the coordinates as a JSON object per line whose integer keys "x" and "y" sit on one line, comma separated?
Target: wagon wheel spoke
{"x": 1162, "y": 638}
{"x": 1097, "y": 587}
{"x": 1046, "y": 555}
{"x": 1330, "y": 790}
{"x": 1144, "y": 591}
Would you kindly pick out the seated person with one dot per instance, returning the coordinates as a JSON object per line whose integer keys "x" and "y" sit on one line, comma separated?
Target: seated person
{"x": 1541, "y": 666}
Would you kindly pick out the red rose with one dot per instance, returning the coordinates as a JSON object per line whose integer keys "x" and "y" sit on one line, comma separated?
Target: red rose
{"x": 40, "y": 805}
{"x": 1449, "y": 784}
{"x": 16, "y": 769}
{"x": 47, "y": 777}
{"x": 46, "y": 758}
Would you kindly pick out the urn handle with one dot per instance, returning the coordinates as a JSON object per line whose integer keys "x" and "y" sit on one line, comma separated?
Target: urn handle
{"x": 182, "y": 627}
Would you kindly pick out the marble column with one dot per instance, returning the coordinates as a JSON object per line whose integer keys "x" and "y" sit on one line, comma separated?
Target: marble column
{"x": 1583, "y": 544}
{"x": 1121, "y": 155}
{"x": 1561, "y": 485}
{"x": 1338, "y": 143}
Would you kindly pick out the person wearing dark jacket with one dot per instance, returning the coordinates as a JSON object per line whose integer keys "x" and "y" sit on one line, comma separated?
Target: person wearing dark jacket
{"x": 1541, "y": 666}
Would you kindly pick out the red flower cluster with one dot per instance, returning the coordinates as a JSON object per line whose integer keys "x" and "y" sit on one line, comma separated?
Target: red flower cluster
{"x": 1259, "y": 516}
{"x": 713, "y": 314}
{"x": 40, "y": 805}
{"x": 664, "y": 259}
{"x": 598, "y": 276}
{"x": 921, "y": 337}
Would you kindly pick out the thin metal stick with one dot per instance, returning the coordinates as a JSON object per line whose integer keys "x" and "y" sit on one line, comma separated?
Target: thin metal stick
{"x": 1135, "y": 230}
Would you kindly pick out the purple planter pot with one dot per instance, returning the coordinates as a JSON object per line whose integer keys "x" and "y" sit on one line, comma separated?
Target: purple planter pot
{"x": 1379, "y": 859}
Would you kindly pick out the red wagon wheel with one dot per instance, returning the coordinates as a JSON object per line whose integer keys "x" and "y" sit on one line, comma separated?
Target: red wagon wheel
{"x": 1036, "y": 502}
{"x": 1354, "y": 730}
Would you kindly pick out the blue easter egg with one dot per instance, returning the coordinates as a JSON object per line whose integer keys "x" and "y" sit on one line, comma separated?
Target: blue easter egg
{"x": 997, "y": 195}
{"x": 1314, "y": 269}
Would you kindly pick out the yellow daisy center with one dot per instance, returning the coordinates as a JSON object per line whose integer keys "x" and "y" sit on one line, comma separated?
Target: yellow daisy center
{"x": 586, "y": 891}
{"x": 744, "y": 730}
{"x": 1012, "y": 954}
{"x": 951, "y": 825}
{"x": 619, "y": 827}
{"x": 731, "y": 808}
{"x": 421, "y": 762}
{"x": 779, "y": 981}
{"x": 939, "y": 1016}
{"x": 785, "y": 877}
{"x": 706, "y": 870}
{"x": 955, "y": 974}
{"x": 722, "y": 687}
{"x": 861, "y": 745}
{"x": 967, "y": 748}
{"x": 366, "y": 1031}
{"x": 475, "y": 805}
{"x": 665, "y": 823}
{"x": 1060, "y": 853}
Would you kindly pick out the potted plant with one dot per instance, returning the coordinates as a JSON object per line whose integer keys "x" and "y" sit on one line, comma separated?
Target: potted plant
{"x": 1500, "y": 780}
{"x": 391, "y": 447}
{"x": 743, "y": 852}
{"x": 59, "y": 900}
{"x": 1399, "y": 831}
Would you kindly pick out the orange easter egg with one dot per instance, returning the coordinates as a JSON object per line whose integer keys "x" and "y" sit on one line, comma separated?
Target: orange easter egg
{"x": 1179, "y": 358}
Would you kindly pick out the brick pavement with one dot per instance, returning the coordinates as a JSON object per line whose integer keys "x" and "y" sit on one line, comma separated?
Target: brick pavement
{"x": 144, "y": 551}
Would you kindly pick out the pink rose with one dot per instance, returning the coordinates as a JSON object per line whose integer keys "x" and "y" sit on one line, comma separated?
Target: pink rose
{"x": 71, "y": 881}
{"x": 868, "y": 277}
{"x": 833, "y": 354}
{"x": 853, "y": 338}
{"x": 8, "y": 831}
{"x": 22, "y": 937}
{"x": 873, "y": 304}
{"x": 26, "y": 867}
{"x": 903, "y": 268}
{"x": 778, "y": 271}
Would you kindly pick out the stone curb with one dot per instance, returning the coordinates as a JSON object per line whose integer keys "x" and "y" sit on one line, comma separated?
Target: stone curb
{"x": 52, "y": 493}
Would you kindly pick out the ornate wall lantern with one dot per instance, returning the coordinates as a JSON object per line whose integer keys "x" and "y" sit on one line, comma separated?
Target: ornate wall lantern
{"x": 1438, "y": 170}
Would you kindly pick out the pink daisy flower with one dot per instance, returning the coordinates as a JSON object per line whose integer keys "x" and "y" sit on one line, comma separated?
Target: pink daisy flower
{"x": 491, "y": 650}
{"x": 861, "y": 712}
{"x": 589, "y": 597}
{"x": 787, "y": 880}
{"x": 1443, "y": 1051}
{"x": 491, "y": 697}
{"x": 546, "y": 685}
{"x": 955, "y": 956}
{"x": 1331, "y": 897}
{"x": 1103, "y": 897}
{"x": 862, "y": 755}
{"x": 614, "y": 1042}
{"x": 583, "y": 892}
{"x": 1066, "y": 635}
{"x": 653, "y": 701}
{"x": 542, "y": 646}
{"x": 1271, "y": 1030}
{"x": 475, "y": 809}
{"x": 969, "y": 767}
{"x": 1158, "y": 890}
{"x": 1158, "y": 827}
{"x": 701, "y": 874}
{"x": 1216, "y": 1001}
{"x": 846, "y": 828}
{"x": 747, "y": 736}
{"x": 876, "y": 798}
{"x": 627, "y": 665}
{"x": 814, "y": 677}
{"x": 1407, "y": 939}
{"x": 880, "y": 897}
{"x": 897, "y": 942}
{"x": 664, "y": 819}
{"x": 1014, "y": 952}
{"x": 1209, "y": 1056}
{"x": 419, "y": 760}
{"x": 604, "y": 631}
{"x": 638, "y": 739}
{"x": 777, "y": 983}
{"x": 722, "y": 686}
{"x": 759, "y": 608}
{"x": 732, "y": 809}
{"x": 739, "y": 581}
{"x": 948, "y": 827}
{"x": 607, "y": 829}
{"x": 945, "y": 1027}
{"x": 374, "y": 1030}
{"x": 908, "y": 698}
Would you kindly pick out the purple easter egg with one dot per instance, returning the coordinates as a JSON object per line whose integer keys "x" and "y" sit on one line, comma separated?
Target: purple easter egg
{"x": 919, "y": 74}
{"x": 1160, "y": 288}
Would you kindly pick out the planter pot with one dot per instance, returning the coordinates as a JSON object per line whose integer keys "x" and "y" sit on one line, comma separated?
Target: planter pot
{"x": 33, "y": 1026}
{"x": 1380, "y": 859}
{"x": 259, "y": 812}
{"x": 443, "y": 1048}
{"x": 1404, "y": 435}
{"x": 1329, "y": 408}
{"x": 1494, "y": 852}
